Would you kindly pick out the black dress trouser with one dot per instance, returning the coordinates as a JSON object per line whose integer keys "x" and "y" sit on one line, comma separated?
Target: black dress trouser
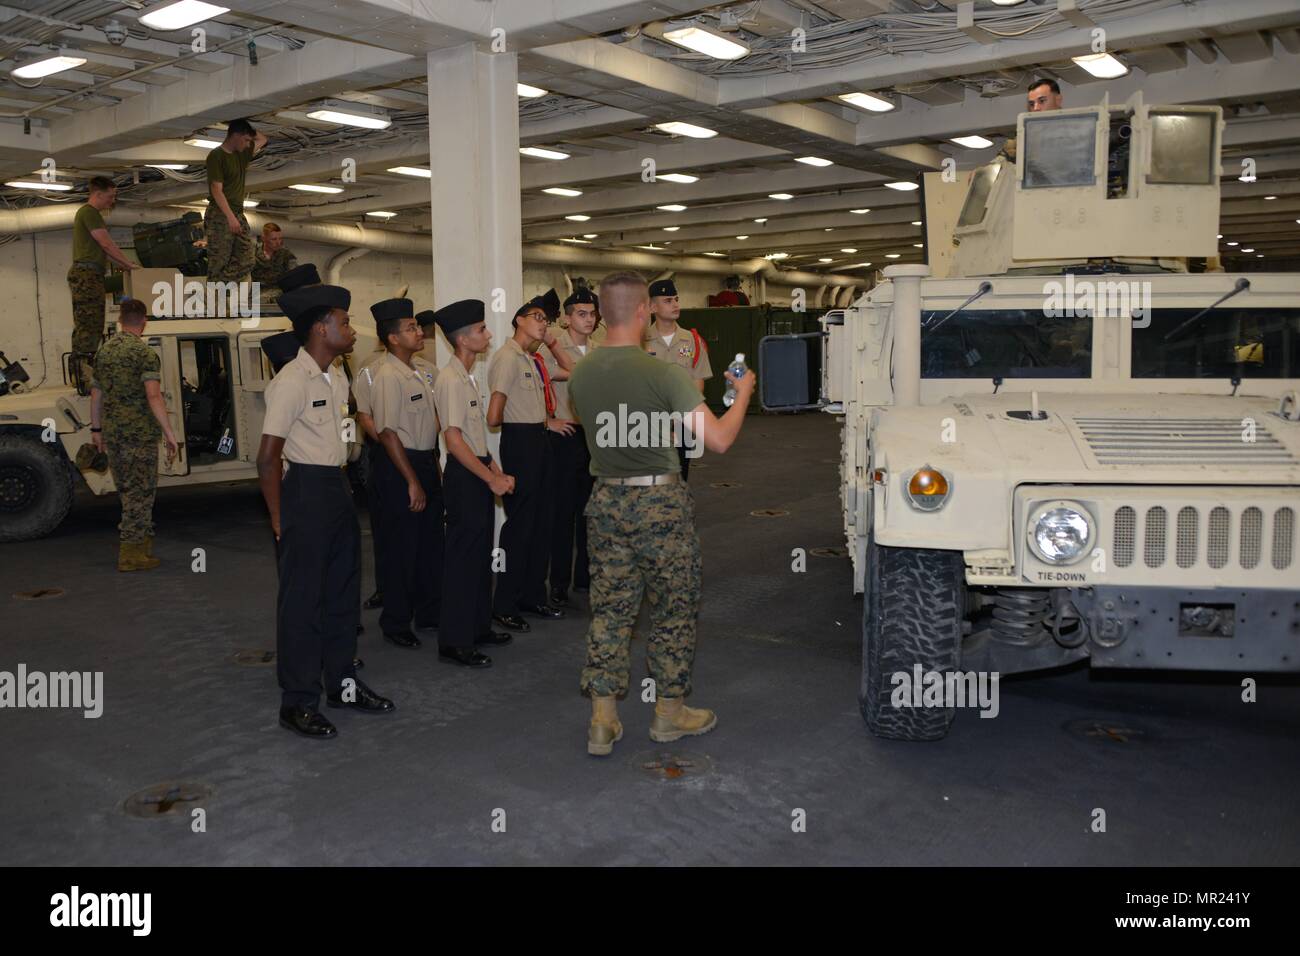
{"x": 412, "y": 543}
{"x": 573, "y": 483}
{"x": 374, "y": 505}
{"x": 319, "y": 603}
{"x": 526, "y": 535}
{"x": 467, "y": 568}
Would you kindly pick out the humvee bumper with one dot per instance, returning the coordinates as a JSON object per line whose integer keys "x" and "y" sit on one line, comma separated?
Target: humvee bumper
{"x": 1225, "y": 629}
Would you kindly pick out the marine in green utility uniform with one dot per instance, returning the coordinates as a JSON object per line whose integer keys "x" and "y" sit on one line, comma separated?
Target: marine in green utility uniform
{"x": 92, "y": 247}
{"x": 127, "y": 416}
{"x": 273, "y": 259}
{"x": 229, "y": 239}
{"x": 641, "y": 516}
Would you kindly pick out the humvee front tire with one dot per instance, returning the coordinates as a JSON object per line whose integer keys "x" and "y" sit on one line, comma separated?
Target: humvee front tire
{"x": 35, "y": 487}
{"x": 912, "y": 615}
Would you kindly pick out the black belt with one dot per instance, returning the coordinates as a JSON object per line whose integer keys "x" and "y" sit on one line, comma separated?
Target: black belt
{"x": 316, "y": 472}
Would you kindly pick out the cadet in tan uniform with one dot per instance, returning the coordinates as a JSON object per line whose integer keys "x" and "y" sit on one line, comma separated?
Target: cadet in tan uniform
{"x": 572, "y": 462}
{"x": 312, "y": 517}
{"x": 522, "y": 404}
{"x": 403, "y": 416}
{"x": 668, "y": 342}
{"x": 470, "y": 481}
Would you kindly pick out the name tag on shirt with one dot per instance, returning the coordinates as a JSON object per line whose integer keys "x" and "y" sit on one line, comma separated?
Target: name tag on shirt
{"x": 417, "y": 396}
{"x": 320, "y": 403}
{"x": 473, "y": 404}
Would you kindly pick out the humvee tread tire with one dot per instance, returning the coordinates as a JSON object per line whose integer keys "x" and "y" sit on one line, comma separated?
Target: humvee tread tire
{"x": 36, "y": 484}
{"x": 912, "y": 615}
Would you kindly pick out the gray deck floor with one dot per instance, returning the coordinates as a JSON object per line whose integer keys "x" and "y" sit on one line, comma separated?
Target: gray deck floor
{"x": 1200, "y": 778}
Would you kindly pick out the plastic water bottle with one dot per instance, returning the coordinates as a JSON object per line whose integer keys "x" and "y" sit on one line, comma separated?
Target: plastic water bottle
{"x": 736, "y": 368}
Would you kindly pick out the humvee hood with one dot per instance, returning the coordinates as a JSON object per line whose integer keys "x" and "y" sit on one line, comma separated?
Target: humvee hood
{"x": 1129, "y": 439}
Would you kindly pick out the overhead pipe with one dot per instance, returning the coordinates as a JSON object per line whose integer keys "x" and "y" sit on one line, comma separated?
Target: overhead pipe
{"x": 334, "y": 269}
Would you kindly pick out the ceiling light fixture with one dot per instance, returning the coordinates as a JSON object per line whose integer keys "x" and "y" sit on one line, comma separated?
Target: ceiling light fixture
{"x": 562, "y": 191}
{"x": 382, "y": 214}
{"x": 47, "y": 66}
{"x": 314, "y": 188}
{"x": 972, "y": 142}
{"x": 202, "y": 143}
{"x": 540, "y": 152}
{"x": 678, "y": 178}
{"x": 781, "y": 196}
{"x": 577, "y": 217}
{"x": 178, "y": 16}
{"x": 342, "y": 113}
{"x": 902, "y": 186}
{"x": 867, "y": 101}
{"x": 703, "y": 40}
{"x": 411, "y": 171}
{"x": 813, "y": 161}
{"x": 672, "y": 207}
{"x": 671, "y": 228}
{"x": 859, "y": 212}
{"x": 165, "y": 165}
{"x": 26, "y": 184}
{"x": 1101, "y": 65}
{"x": 529, "y": 92}
{"x": 686, "y": 129}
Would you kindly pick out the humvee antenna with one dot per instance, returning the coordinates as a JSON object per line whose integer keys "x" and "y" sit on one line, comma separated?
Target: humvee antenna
{"x": 1243, "y": 285}
{"x": 985, "y": 288}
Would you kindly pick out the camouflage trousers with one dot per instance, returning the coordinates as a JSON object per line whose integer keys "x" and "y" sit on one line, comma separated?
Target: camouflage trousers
{"x": 135, "y": 472}
{"x": 230, "y": 257}
{"x": 642, "y": 542}
{"x": 87, "y": 285}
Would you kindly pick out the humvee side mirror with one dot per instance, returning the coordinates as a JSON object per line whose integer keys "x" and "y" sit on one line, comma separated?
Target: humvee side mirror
{"x": 785, "y": 372}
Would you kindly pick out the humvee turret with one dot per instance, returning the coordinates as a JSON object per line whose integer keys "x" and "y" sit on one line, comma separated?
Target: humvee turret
{"x": 214, "y": 374}
{"x": 1066, "y": 446}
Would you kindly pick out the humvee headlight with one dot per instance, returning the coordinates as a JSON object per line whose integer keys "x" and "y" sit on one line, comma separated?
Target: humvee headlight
{"x": 927, "y": 489}
{"x": 1060, "y": 534}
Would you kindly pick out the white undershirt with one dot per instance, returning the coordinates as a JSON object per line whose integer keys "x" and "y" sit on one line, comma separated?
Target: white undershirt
{"x": 668, "y": 339}
{"x": 327, "y": 378}
{"x": 582, "y": 349}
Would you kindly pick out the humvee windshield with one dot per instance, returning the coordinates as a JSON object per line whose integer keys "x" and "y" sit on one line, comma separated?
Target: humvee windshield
{"x": 1010, "y": 343}
{"x": 1225, "y": 343}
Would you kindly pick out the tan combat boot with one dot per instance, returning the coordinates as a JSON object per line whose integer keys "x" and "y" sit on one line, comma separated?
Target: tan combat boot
{"x": 673, "y": 720}
{"x": 134, "y": 556}
{"x": 605, "y": 728}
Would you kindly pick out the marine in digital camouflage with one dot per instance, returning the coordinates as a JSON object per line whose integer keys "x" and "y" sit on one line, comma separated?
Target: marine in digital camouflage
{"x": 87, "y": 286}
{"x": 642, "y": 539}
{"x": 122, "y": 366}
{"x": 230, "y": 257}
{"x": 267, "y": 271}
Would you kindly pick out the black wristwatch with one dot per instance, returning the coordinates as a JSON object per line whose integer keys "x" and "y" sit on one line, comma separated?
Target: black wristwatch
{"x": 97, "y": 429}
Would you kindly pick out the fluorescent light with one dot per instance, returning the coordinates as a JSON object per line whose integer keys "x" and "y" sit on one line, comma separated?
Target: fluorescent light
{"x": 859, "y": 212}
{"x": 707, "y": 42}
{"x": 1245, "y": 178}
{"x": 562, "y": 191}
{"x": 411, "y": 171}
{"x": 250, "y": 203}
{"x": 849, "y": 250}
{"x": 1101, "y": 65}
{"x": 166, "y": 165}
{"x": 178, "y": 16}
{"x": 902, "y": 186}
{"x": 813, "y": 161}
{"x": 918, "y": 245}
{"x": 867, "y": 101}
{"x": 202, "y": 143}
{"x": 1234, "y": 243}
{"x": 972, "y": 142}
{"x": 671, "y": 228}
{"x": 1259, "y": 255}
{"x": 582, "y": 241}
{"x": 381, "y": 214}
{"x": 826, "y": 260}
{"x": 672, "y": 207}
{"x": 26, "y": 184}
{"x": 779, "y": 196}
{"x": 859, "y": 265}
{"x": 719, "y": 255}
{"x": 590, "y": 235}
{"x": 345, "y": 114}
{"x": 686, "y": 129}
{"x": 577, "y": 217}
{"x": 652, "y": 248}
{"x": 1247, "y": 250}
{"x": 314, "y": 188}
{"x": 916, "y": 222}
{"x": 529, "y": 92}
{"x": 742, "y": 237}
{"x": 678, "y": 177}
{"x": 777, "y": 255}
{"x": 540, "y": 152}
{"x": 764, "y": 219}
{"x": 1267, "y": 198}
{"x": 829, "y": 229}
{"x": 891, "y": 255}
{"x": 50, "y": 64}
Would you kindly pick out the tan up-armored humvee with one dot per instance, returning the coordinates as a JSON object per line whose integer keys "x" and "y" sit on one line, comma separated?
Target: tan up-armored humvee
{"x": 1068, "y": 446}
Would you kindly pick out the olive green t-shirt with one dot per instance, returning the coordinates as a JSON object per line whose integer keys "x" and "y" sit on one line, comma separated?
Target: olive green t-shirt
{"x": 228, "y": 169}
{"x": 626, "y": 402}
{"x": 84, "y": 246}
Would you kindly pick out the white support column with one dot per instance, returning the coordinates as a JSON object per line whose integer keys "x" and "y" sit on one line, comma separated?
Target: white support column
{"x": 907, "y": 331}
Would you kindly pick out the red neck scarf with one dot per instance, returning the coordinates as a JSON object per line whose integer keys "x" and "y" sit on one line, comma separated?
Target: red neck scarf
{"x": 547, "y": 387}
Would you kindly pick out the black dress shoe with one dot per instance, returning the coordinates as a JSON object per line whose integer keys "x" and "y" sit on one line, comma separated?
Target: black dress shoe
{"x": 307, "y": 722}
{"x": 512, "y": 621}
{"x": 357, "y": 663}
{"x": 367, "y": 701}
{"x": 375, "y": 600}
{"x": 464, "y": 656}
{"x": 361, "y": 629}
{"x": 542, "y": 610}
{"x": 494, "y": 638}
{"x": 559, "y": 597}
{"x": 426, "y": 627}
{"x": 403, "y": 639}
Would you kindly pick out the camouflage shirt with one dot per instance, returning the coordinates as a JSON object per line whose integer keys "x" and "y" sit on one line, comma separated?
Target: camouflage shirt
{"x": 267, "y": 271}
{"x": 122, "y": 365}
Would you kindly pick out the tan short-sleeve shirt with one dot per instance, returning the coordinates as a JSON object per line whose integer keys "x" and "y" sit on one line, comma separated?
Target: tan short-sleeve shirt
{"x": 564, "y": 340}
{"x": 365, "y": 380}
{"x": 460, "y": 406}
{"x": 401, "y": 399}
{"x": 513, "y": 373}
{"x": 307, "y": 409}
{"x": 680, "y": 351}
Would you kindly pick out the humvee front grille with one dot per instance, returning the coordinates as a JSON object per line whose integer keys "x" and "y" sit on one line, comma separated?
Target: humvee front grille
{"x": 1192, "y": 526}
{"x": 1175, "y": 441}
